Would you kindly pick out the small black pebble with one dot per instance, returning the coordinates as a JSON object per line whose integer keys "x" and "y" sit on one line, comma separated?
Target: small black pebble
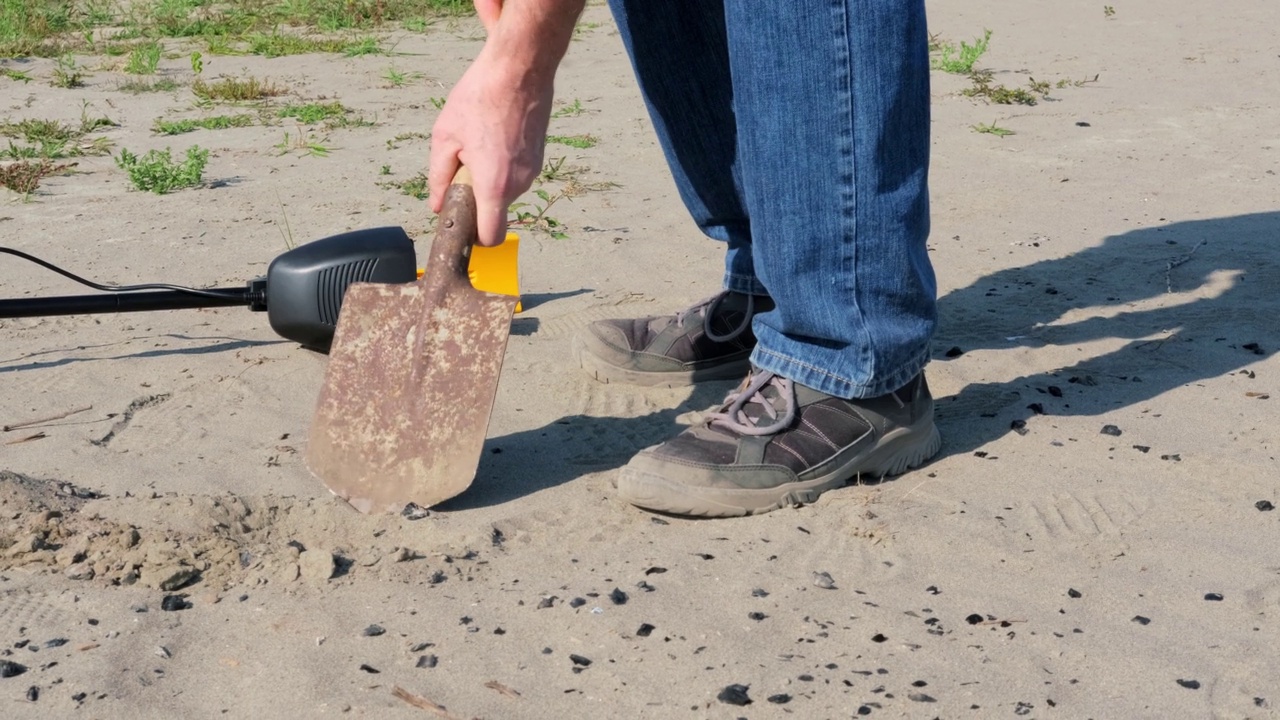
{"x": 734, "y": 695}
{"x": 658, "y": 521}
{"x": 919, "y": 683}
{"x": 757, "y": 616}
{"x": 779, "y": 699}
{"x": 80, "y": 696}
{"x": 171, "y": 603}
{"x": 933, "y": 590}
{"x": 1264, "y": 505}
{"x": 56, "y": 642}
{"x": 645, "y": 630}
{"x": 1259, "y": 702}
{"x": 546, "y": 651}
{"x": 864, "y": 710}
{"x": 655, "y": 570}
{"x": 577, "y": 602}
{"x": 465, "y": 620}
{"x": 805, "y": 677}
{"x": 646, "y": 587}
{"x": 1190, "y": 684}
{"x": 419, "y": 647}
{"x": 33, "y": 693}
{"x": 1073, "y": 593}
{"x": 369, "y": 669}
{"x": 1111, "y": 430}
{"x": 1254, "y": 348}
{"x": 546, "y": 602}
{"x": 1036, "y": 408}
{"x": 427, "y": 661}
{"x": 10, "y": 669}
{"x": 1082, "y": 123}
{"x": 878, "y": 637}
{"x": 580, "y": 660}
{"x": 1142, "y": 448}
{"x": 618, "y": 597}
{"x": 413, "y": 511}
{"x": 1019, "y": 426}
{"x": 93, "y": 621}
{"x": 1174, "y": 457}
{"x": 954, "y": 352}
{"x": 1213, "y": 597}
{"x": 920, "y": 697}
{"x": 1055, "y": 391}
{"x": 373, "y": 631}
{"x": 1141, "y": 620}
{"x": 499, "y": 631}
{"x": 973, "y": 619}
{"x": 759, "y": 592}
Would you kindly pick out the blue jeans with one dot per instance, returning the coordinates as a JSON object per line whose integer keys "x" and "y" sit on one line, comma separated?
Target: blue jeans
{"x": 798, "y": 134}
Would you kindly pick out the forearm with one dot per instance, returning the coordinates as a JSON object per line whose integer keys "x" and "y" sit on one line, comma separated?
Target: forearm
{"x": 530, "y": 37}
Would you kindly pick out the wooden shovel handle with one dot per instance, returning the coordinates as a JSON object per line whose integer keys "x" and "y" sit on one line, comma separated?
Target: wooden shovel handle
{"x": 456, "y": 231}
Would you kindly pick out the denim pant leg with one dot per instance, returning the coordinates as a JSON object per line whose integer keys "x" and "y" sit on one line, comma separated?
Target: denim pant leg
{"x": 679, "y": 50}
{"x": 817, "y": 148}
{"x": 831, "y": 101}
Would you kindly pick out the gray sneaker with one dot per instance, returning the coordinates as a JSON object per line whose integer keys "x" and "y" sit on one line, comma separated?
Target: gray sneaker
{"x": 775, "y": 443}
{"x": 712, "y": 340}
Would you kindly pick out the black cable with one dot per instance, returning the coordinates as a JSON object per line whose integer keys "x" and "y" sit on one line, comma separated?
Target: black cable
{"x": 117, "y": 288}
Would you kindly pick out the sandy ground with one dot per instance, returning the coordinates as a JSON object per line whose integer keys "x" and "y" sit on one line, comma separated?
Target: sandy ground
{"x": 1110, "y": 264}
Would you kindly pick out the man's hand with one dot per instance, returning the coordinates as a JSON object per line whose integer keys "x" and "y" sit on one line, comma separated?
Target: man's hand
{"x": 495, "y": 119}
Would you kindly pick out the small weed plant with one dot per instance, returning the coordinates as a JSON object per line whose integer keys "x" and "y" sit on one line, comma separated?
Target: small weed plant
{"x": 144, "y": 59}
{"x": 235, "y": 90}
{"x": 67, "y": 74}
{"x": 992, "y": 129}
{"x": 217, "y": 122}
{"x": 158, "y": 172}
{"x": 398, "y": 79}
{"x": 16, "y": 75}
{"x": 304, "y": 143}
{"x": 312, "y": 113}
{"x": 138, "y": 85}
{"x": 951, "y": 58}
{"x": 581, "y": 142}
{"x": 24, "y": 177}
{"x": 573, "y": 109}
{"x": 416, "y": 187}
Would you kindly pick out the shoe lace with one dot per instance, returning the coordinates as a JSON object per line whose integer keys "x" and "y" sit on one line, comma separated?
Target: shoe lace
{"x": 706, "y": 308}
{"x": 733, "y": 415}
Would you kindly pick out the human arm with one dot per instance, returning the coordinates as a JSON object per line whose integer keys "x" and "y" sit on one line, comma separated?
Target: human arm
{"x": 494, "y": 120}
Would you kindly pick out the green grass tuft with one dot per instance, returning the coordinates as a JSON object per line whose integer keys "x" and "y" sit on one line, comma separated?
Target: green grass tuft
{"x": 158, "y": 172}
{"x": 217, "y": 122}
{"x": 947, "y": 57}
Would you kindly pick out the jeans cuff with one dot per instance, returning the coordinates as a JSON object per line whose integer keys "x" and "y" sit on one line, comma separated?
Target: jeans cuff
{"x": 814, "y": 377}
{"x": 745, "y": 284}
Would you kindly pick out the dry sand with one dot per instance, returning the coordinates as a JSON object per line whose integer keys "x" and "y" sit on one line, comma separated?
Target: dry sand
{"x": 1115, "y": 273}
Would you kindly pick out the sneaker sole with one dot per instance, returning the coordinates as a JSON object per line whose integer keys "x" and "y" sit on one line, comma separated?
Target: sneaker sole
{"x": 898, "y": 452}
{"x": 607, "y": 373}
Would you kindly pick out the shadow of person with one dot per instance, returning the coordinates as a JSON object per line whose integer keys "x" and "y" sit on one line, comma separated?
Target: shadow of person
{"x": 1140, "y": 314}
{"x": 1171, "y": 305}
{"x": 527, "y": 462}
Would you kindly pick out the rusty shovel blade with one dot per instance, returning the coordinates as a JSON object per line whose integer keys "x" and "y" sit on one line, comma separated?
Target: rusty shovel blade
{"x": 412, "y": 376}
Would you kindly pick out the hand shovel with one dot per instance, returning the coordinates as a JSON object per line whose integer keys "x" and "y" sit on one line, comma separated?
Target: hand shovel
{"x": 412, "y": 375}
